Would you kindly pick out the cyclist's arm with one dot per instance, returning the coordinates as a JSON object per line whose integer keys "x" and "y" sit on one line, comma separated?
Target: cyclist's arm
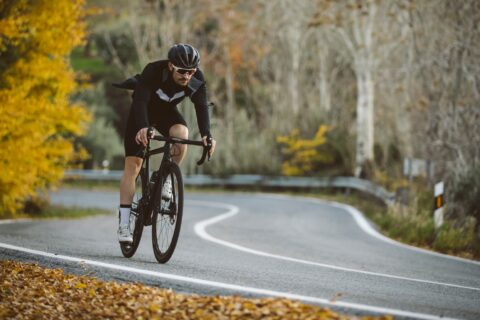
{"x": 200, "y": 101}
{"x": 141, "y": 97}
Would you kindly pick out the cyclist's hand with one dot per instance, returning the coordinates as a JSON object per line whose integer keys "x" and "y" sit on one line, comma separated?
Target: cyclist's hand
{"x": 141, "y": 137}
{"x": 212, "y": 149}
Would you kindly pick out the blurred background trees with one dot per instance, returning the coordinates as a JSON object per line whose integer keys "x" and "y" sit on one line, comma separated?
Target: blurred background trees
{"x": 390, "y": 79}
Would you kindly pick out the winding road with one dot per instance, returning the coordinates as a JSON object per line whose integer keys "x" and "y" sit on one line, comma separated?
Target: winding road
{"x": 259, "y": 245}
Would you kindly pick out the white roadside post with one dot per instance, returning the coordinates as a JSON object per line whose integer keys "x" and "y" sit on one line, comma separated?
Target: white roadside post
{"x": 438, "y": 206}
{"x": 105, "y": 165}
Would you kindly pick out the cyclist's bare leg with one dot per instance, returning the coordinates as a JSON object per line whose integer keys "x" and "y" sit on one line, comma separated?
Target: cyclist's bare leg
{"x": 179, "y": 151}
{"x": 127, "y": 183}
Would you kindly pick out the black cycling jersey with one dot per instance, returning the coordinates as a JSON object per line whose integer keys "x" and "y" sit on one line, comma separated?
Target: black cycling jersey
{"x": 156, "y": 92}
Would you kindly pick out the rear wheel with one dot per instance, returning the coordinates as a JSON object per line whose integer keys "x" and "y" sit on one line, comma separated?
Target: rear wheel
{"x": 167, "y": 215}
{"x": 136, "y": 216}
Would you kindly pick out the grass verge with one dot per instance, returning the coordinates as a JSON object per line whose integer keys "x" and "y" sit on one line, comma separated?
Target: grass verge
{"x": 90, "y": 184}
{"x": 56, "y": 211}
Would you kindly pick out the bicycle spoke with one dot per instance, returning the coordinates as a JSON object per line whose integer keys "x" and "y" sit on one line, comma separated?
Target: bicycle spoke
{"x": 162, "y": 235}
{"x": 165, "y": 232}
{"x": 166, "y": 237}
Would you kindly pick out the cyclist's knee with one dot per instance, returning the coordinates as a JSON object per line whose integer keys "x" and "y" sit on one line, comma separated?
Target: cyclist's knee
{"x": 179, "y": 150}
{"x": 179, "y": 131}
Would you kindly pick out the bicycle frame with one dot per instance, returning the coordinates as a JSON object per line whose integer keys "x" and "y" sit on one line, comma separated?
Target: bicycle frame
{"x": 167, "y": 158}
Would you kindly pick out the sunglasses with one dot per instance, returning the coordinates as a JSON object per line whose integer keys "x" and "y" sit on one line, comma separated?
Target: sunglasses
{"x": 188, "y": 72}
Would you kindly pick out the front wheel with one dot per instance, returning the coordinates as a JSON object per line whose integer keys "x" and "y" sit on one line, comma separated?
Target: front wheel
{"x": 167, "y": 214}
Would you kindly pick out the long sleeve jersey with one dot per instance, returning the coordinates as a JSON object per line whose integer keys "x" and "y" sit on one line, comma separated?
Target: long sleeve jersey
{"x": 155, "y": 90}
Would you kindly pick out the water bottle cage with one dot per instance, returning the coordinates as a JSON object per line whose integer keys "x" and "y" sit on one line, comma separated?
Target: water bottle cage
{"x": 153, "y": 180}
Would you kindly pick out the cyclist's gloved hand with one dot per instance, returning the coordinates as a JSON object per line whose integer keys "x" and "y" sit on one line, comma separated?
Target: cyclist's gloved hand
{"x": 209, "y": 140}
{"x": 141, "y": 137}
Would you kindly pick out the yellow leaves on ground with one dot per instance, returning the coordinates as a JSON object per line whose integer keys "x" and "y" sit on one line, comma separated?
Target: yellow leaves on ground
{"x": 28, "y": 291}
{"x": 304, "y": 156}
{"x": 38, "y": 121}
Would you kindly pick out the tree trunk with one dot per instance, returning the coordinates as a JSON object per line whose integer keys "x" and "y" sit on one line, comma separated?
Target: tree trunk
{"x": 325, "y": 102}
{"x": 229, "y": 110}
{"x": 365, "y": 119}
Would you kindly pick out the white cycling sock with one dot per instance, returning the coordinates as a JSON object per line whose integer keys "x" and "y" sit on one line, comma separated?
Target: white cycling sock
{"x": 124, "y": 216}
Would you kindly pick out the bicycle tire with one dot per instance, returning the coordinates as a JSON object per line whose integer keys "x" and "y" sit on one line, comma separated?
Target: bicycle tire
{"x": 129, "y": 249}
{"x": 167, "y": 215}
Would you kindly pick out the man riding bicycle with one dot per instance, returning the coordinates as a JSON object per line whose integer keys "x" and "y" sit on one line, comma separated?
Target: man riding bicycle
{"x": 162, "y": 85}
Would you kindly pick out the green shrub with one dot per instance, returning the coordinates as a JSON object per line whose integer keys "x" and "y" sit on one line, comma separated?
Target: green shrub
{"x": 410, "y": 226}
{"x": 36, "y": 204}
{"x": 451, "y": 239}
{"x": 464, "y": 196}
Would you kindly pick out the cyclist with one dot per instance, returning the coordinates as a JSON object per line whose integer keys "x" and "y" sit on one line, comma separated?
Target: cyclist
{"x": 161, "y": 86}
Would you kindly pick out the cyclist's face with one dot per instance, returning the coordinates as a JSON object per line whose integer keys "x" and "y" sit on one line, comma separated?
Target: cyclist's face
{"x": 179, "y": 78}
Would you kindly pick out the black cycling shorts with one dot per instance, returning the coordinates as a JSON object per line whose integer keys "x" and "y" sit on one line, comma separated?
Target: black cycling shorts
{"x": 161, "y": 121}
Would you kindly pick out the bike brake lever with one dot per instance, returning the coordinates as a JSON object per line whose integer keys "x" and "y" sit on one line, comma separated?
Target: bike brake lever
{"x": 204, "y": 155}
{"x": 150, "y": 133}
{"x": 206, "y": 150}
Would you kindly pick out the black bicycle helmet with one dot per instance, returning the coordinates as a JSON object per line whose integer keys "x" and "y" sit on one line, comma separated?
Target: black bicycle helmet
{"x": 184, "y": 56}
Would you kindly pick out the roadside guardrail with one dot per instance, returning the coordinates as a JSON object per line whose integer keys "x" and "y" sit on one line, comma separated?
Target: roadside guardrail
{"x": 239, "y": 180}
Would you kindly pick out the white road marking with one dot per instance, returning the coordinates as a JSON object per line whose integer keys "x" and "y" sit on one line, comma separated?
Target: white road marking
{"x": 228, "y": 286}
{"x": 233, "y": 210}
{"x": 367, "y": 227}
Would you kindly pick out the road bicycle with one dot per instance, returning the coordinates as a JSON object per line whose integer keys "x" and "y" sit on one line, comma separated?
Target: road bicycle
{"x": 150, "y": 208}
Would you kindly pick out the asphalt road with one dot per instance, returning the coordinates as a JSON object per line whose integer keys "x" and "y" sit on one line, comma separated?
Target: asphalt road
{"x": 260, "y": 245}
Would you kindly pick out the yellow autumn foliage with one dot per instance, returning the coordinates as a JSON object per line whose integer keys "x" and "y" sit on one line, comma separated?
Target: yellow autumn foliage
{"x": 304, "y": 156}
{"x": 37, "y": 121}
{"x": 32, "y": 292}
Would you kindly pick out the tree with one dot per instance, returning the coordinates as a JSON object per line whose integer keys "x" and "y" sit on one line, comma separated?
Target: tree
{"x": 304, "y": 156}
{"x": 101, "y": 141}
{"x": 38, "y": 121}
{"x": 447, "y": 79}
{"x": 359, "y": 24}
